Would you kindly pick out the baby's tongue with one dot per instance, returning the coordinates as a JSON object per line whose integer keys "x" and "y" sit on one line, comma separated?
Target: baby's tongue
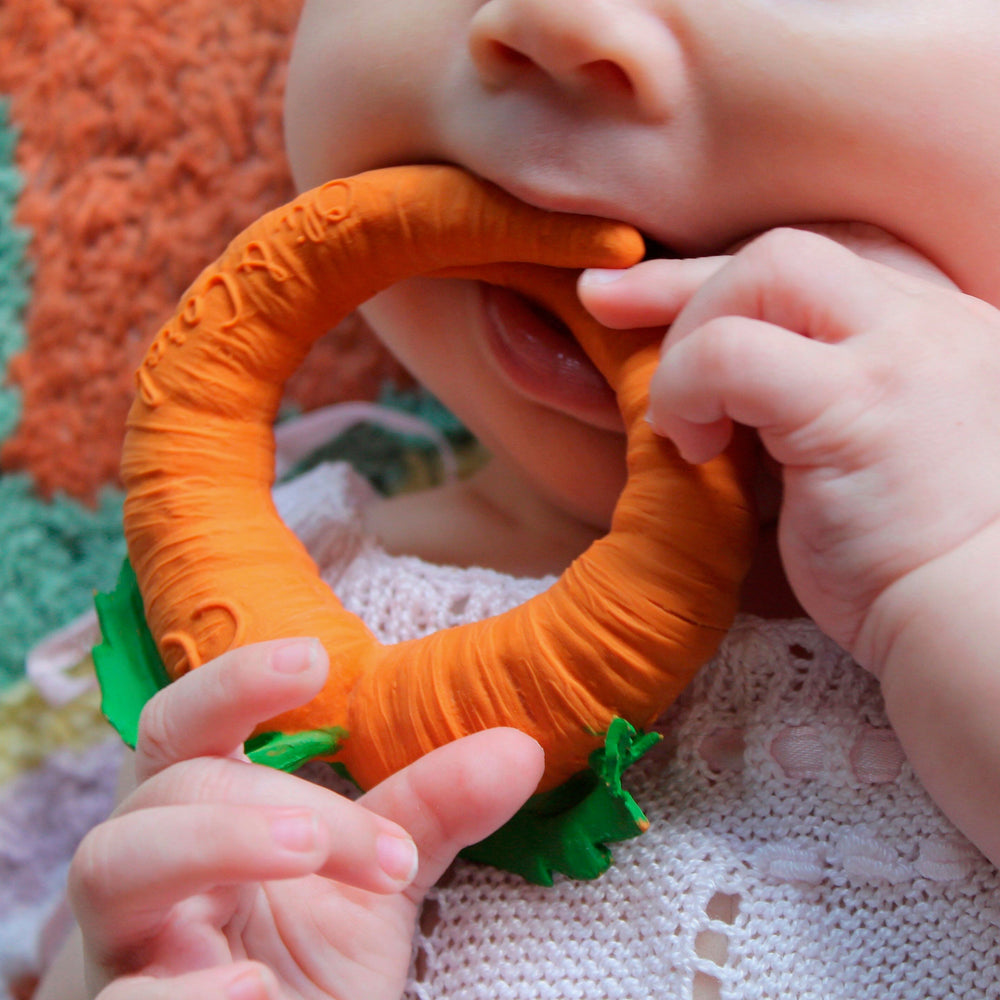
{"x": 539, "y": 354}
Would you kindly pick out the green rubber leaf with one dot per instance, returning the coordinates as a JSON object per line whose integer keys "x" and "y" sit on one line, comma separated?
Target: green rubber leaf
{"x": 567, "y": 829}
{"x": 289, "y": 751}
{"x": 128, "y": 666}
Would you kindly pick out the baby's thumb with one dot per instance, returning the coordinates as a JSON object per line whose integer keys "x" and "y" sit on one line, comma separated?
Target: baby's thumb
{"x": 459, "y": 794}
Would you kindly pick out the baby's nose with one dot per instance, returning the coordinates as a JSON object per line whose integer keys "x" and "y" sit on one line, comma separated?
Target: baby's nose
{"x": 614, "y": 52}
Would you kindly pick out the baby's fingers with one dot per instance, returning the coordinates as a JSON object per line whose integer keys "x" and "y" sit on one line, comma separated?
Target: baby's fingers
{"x": 240, "y": 981}
{"x": 651, "y": 293}
{"x": 364, "y": 850}
{"x": 132, "y": 870}
{"x": 458, "y": 794}
{"x": 212, "y": 710}
{"x": 753, "y": 373}
{"x": 801, "y": 281}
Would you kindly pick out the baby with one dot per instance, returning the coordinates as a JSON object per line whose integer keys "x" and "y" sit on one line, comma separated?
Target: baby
{"x": 792, "y": 851}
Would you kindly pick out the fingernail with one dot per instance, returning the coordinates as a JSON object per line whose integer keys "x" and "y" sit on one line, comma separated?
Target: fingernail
{"x": 397, "y": 857}
{"x": 651, "y": 420}
{"x": 295, "y": 656}
{"x": 601, "y": 275}
{"x": 248, "y": 986}
{"x": 295, "y": 830}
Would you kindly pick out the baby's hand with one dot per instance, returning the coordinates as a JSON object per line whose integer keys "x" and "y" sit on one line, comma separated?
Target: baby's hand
{"x": 221, "y": 878}
{"x": 869, "y": 377}
{"x": 873, "y": 381}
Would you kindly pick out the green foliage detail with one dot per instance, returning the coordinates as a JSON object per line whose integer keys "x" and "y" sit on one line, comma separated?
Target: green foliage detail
{"x": 289, "y": 751}
{"x": 567, "y": 830}
{"x": 128, "y": 665}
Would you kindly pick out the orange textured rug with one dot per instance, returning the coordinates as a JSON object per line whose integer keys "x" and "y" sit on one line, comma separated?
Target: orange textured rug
{"x": 149, "y": 135}
{"x": 137, "y": 137}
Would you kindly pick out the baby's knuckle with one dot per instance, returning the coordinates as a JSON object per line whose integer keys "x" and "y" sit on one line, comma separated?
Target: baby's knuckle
{"x": 230, "y": 681}
{"x": 130, "y": 988}
{"x": 721, "y": 347}
{"x": 784, "y": 244}
{"x": 200, "y": 780}
{"x": 212, "y": 779}
{"x": 776, "y": 240}
{"x": 91, "y": 871}
{"x": 158, "y": 732}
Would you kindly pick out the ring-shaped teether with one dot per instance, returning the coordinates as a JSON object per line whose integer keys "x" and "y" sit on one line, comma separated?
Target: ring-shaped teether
{"x": 621, "y": 632}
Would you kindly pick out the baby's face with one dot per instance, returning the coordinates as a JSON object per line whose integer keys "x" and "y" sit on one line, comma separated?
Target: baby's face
{"x": 699, "y": 121}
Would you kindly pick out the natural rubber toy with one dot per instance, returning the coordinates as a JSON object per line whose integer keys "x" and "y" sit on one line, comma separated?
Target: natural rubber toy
{"x": 621, "y": 632}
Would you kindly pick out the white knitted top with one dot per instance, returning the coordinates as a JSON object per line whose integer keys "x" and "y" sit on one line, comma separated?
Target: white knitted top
{"x": 791, "y": 853}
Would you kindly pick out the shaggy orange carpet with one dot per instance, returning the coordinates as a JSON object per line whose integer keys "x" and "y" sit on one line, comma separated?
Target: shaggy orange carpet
{"x": 149, "y": 135}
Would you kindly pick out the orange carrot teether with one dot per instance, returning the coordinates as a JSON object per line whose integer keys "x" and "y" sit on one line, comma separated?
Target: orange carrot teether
{"x": 621, "y": 632}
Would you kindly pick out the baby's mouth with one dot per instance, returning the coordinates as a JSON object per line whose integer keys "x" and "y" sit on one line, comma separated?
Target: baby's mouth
{"x": 655, "y": 250}
{"x": 539, "y": 356}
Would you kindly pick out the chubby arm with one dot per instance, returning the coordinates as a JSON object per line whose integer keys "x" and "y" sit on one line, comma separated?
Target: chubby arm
{"x": 874, "y": 383}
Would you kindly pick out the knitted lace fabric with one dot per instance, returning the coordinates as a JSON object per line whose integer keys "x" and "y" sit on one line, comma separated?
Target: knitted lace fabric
{"x": 791, "y": 854}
